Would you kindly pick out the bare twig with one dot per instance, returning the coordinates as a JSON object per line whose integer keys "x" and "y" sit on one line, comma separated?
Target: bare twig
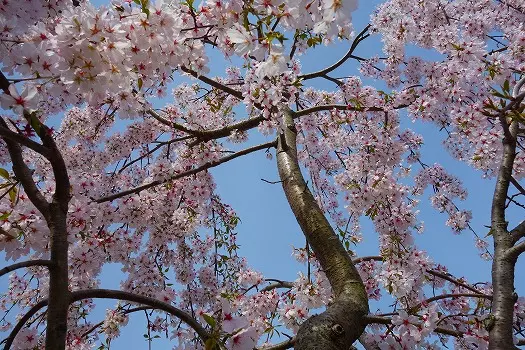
{"x": 360, "y": 37}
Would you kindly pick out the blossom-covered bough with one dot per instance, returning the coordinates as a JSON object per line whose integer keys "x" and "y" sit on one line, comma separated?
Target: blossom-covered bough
{"x": 93, "y": 173}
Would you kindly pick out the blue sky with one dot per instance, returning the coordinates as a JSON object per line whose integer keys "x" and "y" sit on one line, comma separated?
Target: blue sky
{"x": 268, "y": 229}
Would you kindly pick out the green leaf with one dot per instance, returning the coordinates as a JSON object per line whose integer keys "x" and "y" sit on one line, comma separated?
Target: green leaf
{"x": 139, "y": 83}
{"x": 5, "y": 216}
{"x": 12, "y": 194}
{"x": 189, "y": 3}
{"x": 506, "y": 86}
{"x": 4, "y": 173}
{"x": 209, "y": 320}
{"x": 35, "y": 123}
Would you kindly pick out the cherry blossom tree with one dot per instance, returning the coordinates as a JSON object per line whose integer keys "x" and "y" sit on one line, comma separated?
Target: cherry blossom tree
{"x": 93, "y": 172}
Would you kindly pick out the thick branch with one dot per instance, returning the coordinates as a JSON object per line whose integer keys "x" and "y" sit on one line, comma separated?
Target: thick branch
{"x": 503, "y": 266}
{"x": 23, "y": 264}
{"x": 5, "y": 133}
{"x": 518, "y": 232}
{"x": 514, "y": 252}
{"x": 203, "y": 167}
{"x": 342, "y": 323}
{"x": 62, "y": 185}
{"x": 517, "y": 185}
{"x": 25, "y": 175}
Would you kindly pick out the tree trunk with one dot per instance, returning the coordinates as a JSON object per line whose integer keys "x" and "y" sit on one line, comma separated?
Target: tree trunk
{"x": 57, "y": 310}
{"x": 503, "y": 266}
{"x": 342, "y": 323}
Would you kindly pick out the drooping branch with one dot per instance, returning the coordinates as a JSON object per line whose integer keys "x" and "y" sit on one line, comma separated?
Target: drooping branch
{"x": 360, "y": 37}
{"x": 20, "y": 324}
{"x": 203, "y": 167}
{"x": 125, "y": 312}
{"x": 22, "y": 264}
{"x": 342, "y": 323}
{"x": 150, "y": 303}
{"x": 140, "y": 299}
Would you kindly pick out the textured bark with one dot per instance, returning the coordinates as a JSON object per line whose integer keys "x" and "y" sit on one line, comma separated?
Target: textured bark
{"x": 55, "y": 214}
{"x": 56, "y": 329}
{"x": 503, "y": 266}
{"x": 343, "y": 321}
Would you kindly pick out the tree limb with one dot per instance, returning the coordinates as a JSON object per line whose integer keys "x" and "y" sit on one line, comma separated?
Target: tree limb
{"x": 518, "y": 232}
{"x": 125, "y": 312}
{"x": 213, "y": 83}
{"x": 175, "y": 126}
{"x": 360, "y": 37}
{"x": 25, "y": 175}
{"x": 287, "y": 344}
{"x": 203, "y": 167}
{"x": 6, "y": 133}
{"x": 503, "y": 266}
{"x": 514, "y": 252}
{"x": 278, "y": 284}
{"x": 451, "y": 279}
{"x": 20, "y": 324}
{"x": 147, "y": 301}
{"x": 517, "y": 185}
{"x": 341, "y": 324}
{"x": 23, "y": 264}
{"x": 112, "y": 294}
{"x": 387, "y": 321}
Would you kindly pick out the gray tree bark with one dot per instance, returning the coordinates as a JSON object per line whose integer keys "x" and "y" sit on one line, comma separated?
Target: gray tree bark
{"x": 343, "y": 322}
{"x": 503, "y": 266}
